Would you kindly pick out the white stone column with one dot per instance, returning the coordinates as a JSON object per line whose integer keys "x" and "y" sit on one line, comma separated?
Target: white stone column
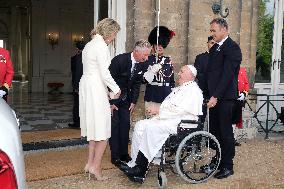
{"x": 16, "y": 43}
{"x": 117, "y": 11}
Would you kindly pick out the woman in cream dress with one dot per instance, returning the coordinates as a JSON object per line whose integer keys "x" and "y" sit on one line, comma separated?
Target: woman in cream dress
{"x": 94, "y": 107}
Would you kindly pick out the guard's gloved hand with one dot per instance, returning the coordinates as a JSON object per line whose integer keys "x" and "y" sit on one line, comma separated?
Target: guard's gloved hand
{"x": 151, "y": 72}
{"x": 155, "y": 68}
{"x": 242, "y": 96}
{"x": 3, "y": 91}
{"x": 149, "y": 76}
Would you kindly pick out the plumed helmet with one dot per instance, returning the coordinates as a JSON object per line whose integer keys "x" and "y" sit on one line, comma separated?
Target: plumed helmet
{"x": 80, "y": 45}
{"x": 165, "y": 35}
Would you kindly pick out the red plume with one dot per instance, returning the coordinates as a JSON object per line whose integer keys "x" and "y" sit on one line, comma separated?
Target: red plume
{"x": 172, "y": 34}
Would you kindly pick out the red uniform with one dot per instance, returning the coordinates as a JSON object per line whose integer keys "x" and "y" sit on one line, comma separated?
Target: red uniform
{"x": 6, "y": 69}
{"x": 243, "y": 86}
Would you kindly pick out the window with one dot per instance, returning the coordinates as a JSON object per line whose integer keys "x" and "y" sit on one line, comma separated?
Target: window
{"x": 1, "y": 43}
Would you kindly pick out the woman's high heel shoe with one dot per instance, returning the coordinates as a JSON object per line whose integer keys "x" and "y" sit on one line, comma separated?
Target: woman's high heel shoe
{"x": 86, "y": 169}
{"x": 100, "y": 178}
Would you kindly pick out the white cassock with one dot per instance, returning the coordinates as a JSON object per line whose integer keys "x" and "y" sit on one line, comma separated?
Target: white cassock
{"x": 184, "y": 102}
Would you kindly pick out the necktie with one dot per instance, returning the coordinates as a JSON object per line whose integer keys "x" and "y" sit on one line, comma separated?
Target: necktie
{"x": 133, "y": 69}
{"x": 218, "y": 47}
{"x": 214, "y": 48}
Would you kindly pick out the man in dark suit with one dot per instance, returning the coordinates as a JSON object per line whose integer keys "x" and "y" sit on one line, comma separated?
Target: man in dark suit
{"x": 77, "y": 71}
{"x": 127, "y": 70}
{"x": 200, "y": 64}
{"x": 222, "y": 80}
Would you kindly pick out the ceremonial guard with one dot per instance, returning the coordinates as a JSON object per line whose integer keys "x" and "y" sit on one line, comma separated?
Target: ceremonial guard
{"x": 159, "y": 75}
{"x": 243, "y": 88}
{"x": 6, "y": 73}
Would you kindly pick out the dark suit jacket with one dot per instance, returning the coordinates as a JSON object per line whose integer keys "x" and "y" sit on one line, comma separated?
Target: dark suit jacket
{"x": 120, "y": 69}
{"x": 223, "y": 69}
{"x": 200, "y": 64}
{"x": 77, "y": 70}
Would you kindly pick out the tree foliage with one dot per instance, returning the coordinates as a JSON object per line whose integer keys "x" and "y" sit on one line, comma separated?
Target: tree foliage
{"x": 264, "y": 41}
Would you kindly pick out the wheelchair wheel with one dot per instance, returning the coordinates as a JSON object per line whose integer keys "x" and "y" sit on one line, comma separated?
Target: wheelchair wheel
{"x": 198, "y": 157}
{"x": 162, "y": 179}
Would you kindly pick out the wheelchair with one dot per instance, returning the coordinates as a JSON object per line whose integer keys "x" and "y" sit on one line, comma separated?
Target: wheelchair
{"x": 192, "y": 153}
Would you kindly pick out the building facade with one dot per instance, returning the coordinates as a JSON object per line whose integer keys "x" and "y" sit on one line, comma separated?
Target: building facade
{"x": 41, "y": 34}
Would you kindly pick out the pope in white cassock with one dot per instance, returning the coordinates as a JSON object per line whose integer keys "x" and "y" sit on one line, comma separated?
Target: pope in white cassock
{"x": 184, "y": 102}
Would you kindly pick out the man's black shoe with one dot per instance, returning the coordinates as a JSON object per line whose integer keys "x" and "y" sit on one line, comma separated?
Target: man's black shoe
{"x": 139, "y": 179}
{"x": 117, "y": 162}
{"x": 120, "y": 164}
{"x": 125, "y": 158}
{"x": 123, "y": 167}
{"x": 224, "y": 173}
{"x": 73, "y": 126}
{"x": 237, "y": 143}
{"x": 135, "y": 174}
{"x": 208, "y": 168}
{"x": 134, "y": 171}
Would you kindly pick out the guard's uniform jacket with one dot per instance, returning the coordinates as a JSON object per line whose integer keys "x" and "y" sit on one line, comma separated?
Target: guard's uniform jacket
{"x": 243, "y": 84}
{"x": 243, "y": 87}
{"x": 163, "y": 82}
{"x": 6, "y": 70}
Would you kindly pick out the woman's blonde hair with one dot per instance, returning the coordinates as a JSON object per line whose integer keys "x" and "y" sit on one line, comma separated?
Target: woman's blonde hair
{"x": 106, "y": 28}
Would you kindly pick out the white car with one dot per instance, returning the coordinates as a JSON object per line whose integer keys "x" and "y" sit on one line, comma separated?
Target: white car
{"x": 12, "y": 171}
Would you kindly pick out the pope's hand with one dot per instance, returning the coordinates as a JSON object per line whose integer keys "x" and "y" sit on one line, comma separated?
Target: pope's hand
{"x": 152, "y": 111}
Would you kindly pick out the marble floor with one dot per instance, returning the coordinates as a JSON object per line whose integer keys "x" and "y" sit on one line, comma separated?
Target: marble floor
{"x": 40, "y": 111}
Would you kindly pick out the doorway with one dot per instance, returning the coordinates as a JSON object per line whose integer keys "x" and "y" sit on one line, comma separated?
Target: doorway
{"x": 270, "y": 65}
{"x": 1, "y": 43}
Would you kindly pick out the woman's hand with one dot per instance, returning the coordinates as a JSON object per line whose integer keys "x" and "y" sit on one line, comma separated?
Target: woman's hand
{"x": 117, "y": 95}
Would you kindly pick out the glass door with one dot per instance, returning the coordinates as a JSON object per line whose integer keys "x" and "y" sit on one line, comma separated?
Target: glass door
{"x": 265, "y": 41}
{"x": 269, "y": 65}
{"x": 270, "y": 68}
{"x": 277, "y": 47}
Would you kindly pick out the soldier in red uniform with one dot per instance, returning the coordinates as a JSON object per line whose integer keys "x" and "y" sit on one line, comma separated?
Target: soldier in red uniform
{"x": 243, "y": 88}
{"x": 6, "y": 73}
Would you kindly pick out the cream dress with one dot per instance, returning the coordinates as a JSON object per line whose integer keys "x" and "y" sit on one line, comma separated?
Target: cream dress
{"x": 94, "y": 107}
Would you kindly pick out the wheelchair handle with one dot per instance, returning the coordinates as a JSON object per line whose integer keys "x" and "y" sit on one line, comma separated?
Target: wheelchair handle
{"x": 190, "y": 121}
